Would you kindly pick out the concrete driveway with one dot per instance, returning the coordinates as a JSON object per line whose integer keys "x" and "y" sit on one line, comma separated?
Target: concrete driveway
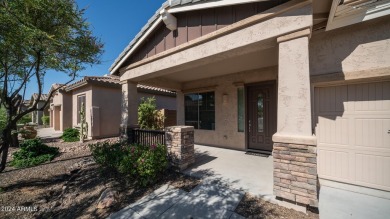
{"x": 45, "y": 133}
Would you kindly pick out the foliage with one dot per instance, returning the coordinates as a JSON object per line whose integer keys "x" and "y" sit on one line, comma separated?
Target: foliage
{"x": 39, "y": 37}
{"x": 106, "y": 154}
{"x": 3, "y": 119}
{"x": 151, "y": 163}
{"x": 70, "y": 135}
{"x": 148, "y": 115}
{"x": 45, "y": 120}
{"x": 142, "y": 163}
{"x": 33, "y": 152}
{"x": 25, "y": 119}
{"x": 128, "y": 163}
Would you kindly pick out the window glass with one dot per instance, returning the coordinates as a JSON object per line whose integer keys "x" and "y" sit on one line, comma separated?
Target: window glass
{"x": 200, "y": 110}
{"x": 260, "y": 113}
{"x": 241, "y": 109}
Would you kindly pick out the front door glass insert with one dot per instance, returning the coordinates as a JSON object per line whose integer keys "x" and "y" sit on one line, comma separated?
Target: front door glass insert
{"x": 260, "y": 113}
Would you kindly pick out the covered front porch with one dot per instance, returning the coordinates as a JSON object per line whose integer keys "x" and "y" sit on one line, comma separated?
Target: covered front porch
{"x": 244, "y": 87}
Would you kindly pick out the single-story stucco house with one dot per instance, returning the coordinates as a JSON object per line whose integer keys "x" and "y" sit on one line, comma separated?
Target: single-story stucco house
{"x": 102, "y": 98}
{"x": 36, "y": 116}
{"x": 305, "y": 81}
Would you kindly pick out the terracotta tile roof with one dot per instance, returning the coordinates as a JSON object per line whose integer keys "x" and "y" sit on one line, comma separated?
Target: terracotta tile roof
{"x": 43, "y": 97}
{"x": 113, "y": 80}
{"x": 145, "y": 87}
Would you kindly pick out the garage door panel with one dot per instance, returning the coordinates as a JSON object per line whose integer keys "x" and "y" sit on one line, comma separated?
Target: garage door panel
{"x": 371, "y": 169}
{"x": 352, "y": 133}
{"x": 334, "y": 131}
{"x": 333, "y": 99}
{"x": 372, "y": 133}
{"x": 333, "y": 163}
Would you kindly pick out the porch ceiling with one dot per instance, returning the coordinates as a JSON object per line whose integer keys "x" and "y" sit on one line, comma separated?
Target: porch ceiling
{"x": 255, "y": 60}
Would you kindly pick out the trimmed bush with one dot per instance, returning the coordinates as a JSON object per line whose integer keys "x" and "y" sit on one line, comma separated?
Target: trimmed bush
{"x": 142, "y": 163}
{"x": 45, "y": 120}
{"x": 151, "y": 163}
{"x": 106, "y": 154}
{"x": 71, "y": 135}
{"x": 33, "y": 152}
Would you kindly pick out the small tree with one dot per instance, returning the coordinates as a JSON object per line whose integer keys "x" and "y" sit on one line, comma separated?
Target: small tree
{"x": 38, "y": 36}
{"x": 148, "y": 115}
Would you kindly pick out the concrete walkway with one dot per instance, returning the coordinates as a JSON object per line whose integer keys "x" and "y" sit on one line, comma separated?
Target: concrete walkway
{"x": 250, "y": 172}
{"x": 45, "y": 133}
{"x": 226, "y": 174}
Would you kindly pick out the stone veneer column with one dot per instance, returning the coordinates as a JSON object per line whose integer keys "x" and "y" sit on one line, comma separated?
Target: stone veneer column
{"x": 129, "y": 108}
{"x": 295, "y": 154}
{"x": 180, "y": 143}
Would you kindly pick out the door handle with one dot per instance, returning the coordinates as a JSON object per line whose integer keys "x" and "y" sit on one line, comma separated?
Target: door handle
{"x": 249, "y": 125}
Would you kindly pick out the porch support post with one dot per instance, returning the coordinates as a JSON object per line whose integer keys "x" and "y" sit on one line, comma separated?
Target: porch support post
{"x": 179, "y": 108}
{"x": 295, "y": 157}
{"x": 129, "y": 109}
{"x": 180, "y": 144}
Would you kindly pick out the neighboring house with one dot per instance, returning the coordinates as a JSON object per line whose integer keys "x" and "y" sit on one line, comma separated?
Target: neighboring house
{"x": 60, "y": 108}
{"x": 102, "y": 98}
{"x": 36, "y": 116}
{"x": 308, "y": 81}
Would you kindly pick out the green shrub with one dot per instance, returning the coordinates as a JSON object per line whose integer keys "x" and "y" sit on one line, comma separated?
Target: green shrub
{"x": 106, "y": 154}
{"x": 33, "y": 152}
{"x": 128, "y": 163}
{"x": 3, "y": 118}
{"x": 25, "y": 119}
{"x": 45, "y": 120}
{"x": 148, "y": 115}
{"x": 138, "y": 162}
{"x": 151, "y": 163}
{"x": 71, "y": 135}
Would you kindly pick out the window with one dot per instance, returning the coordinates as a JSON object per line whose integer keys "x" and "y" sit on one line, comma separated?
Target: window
{"x": 200, "y": 110}
{"x": 241, "y": 109}
{"x": 80, "y": 102}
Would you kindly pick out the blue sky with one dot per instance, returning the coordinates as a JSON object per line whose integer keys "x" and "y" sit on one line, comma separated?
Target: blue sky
{"x": 115, "y": 23}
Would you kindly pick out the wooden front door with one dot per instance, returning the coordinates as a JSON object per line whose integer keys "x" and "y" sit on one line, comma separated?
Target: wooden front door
{"x": 261, "y": 116}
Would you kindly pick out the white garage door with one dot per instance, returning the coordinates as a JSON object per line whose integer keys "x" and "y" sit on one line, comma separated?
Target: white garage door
{"x": 353, "y": 133}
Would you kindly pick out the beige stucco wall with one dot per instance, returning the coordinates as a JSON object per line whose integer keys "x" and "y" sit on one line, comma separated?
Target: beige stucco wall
{"x": 226, "y": 128}
{"x": 87, "y": 90}
{"x": 162, "y": 102}
{"x": 67, "y": 111}
{"x": 64, "y": 101}
{"x": 108, "y": 101}
{"x": 358, "y": 49}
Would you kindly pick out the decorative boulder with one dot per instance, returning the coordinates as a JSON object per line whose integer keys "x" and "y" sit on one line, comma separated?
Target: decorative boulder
{"x": 28, "y": 132}
{"x": 107, "y": 198}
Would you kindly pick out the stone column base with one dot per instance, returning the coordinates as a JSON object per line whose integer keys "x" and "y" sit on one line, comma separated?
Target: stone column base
{"x": 180, "y": 143}
{"x": 295, "y": 173}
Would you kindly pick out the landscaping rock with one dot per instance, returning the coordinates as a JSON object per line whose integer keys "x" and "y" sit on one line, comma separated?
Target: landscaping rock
{"x": 107, "y": 198}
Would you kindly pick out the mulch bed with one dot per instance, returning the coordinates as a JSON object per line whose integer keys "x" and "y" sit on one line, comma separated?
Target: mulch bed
{"x": 253, "y": 207}
{"x": 70, "y": 186}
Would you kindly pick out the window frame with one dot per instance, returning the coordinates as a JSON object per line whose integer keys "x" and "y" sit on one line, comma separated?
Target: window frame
{"x": 203, "y": 105}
